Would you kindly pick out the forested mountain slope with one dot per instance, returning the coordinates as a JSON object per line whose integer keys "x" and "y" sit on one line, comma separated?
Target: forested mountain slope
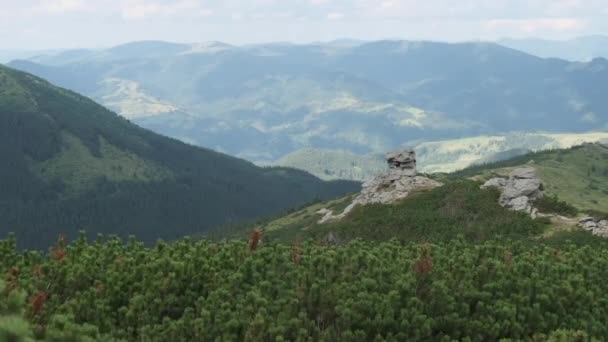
{"x": 69, "y": 164}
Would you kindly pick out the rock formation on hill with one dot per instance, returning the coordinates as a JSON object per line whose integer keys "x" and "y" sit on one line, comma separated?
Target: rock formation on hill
{"x": 519, "y": 191}
{"x": 395, "y": 184}
{"x": 595, "y": 226}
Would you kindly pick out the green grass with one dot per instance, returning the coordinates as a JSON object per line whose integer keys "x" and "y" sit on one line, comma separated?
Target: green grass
{"x": 553, "y": 205}
{"x": 575, "y": 180}
{"x": 577, "y": 237}
{"x": 601, "y": 215}
{"x": 289, "y": 226}
{"x": 578, "y": 176}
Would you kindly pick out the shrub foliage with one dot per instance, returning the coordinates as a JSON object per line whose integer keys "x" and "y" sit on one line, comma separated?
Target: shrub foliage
{"x": 389, "y": 291}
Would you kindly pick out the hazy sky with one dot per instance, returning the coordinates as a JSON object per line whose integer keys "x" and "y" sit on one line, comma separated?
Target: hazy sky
{"x": 42, "y": 24}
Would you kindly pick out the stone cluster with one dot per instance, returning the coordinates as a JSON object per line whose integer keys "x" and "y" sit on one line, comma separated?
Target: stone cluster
{"x": 519, "y": 191}
{"x": 395, "y": 184}
{"x": 595, "y": 226}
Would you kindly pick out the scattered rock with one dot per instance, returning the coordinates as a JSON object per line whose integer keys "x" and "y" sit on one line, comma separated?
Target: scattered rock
{"x": 331, "y": 239}
{"x": 519, "y": 191}
{"x": 396, "y": 184}
{"x": 328, "y": 215}
{"x": 595, "y": 226}
{"x": 495, "y": 182}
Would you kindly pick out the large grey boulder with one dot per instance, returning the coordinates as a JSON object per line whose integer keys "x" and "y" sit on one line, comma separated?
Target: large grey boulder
{"x": 395, "y": 184}
{"x": 520, "y": 203}
{"x": 595, "y": 226}
{"x": 519, "y": 190}
{"x": 522, "y": 182}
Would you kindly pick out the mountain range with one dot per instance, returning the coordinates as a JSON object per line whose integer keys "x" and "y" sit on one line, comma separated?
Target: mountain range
{"x": 263, "y": 102}
{"x": 582, "y": 49}
{"x": 435, "y": 156}
{"x": 503, "y": 250}
{"x": 70, "y": 164}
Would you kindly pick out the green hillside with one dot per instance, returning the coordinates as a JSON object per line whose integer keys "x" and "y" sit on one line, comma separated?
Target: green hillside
{"x": 456, "y": 209}
{"x": 576, "y": 176}
{"x": 442, "y": 265}
{"x": 70, "y": 164}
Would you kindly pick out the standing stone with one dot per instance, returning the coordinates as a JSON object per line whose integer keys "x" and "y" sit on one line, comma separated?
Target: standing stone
{"x": 402, "y": 160}
{"x": 395, "y": 184}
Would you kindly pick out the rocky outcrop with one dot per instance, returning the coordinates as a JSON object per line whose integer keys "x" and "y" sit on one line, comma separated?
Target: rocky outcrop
{"x": 395, "y": 184}
{"x": 519, "y": 191}
{"x": 393, "y": 187}
{"x": 595, "y": 226}
{"x": 404, "y": 161}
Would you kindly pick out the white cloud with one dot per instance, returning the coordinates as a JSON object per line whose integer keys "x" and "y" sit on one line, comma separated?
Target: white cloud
{"x": 79, "y": 22}
{"x": 387, "y": 4}
{"x": 536, "y": 25}
{"x": 60, "y": 6}
{"x": 205, "y": 12}
{"x": 335, "y": 16}
{"x": 318, "y": 2}
{"x": 140, "y": 9}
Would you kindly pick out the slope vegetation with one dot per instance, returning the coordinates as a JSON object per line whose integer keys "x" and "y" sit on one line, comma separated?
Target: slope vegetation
{"x": 199, "y": 291}
{"x": 459, "y": 208}
{"x": 69, "y": 164}
{"x": 576, "y": 177}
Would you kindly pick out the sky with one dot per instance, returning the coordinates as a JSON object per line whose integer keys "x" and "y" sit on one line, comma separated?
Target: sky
{"x": 49, "y": 24}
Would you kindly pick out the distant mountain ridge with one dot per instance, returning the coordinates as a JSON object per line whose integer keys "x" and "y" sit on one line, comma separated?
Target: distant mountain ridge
{"x": 263, "y": 102}
{"x": 334, "y": 164}
{"x": 70, "y": 164}
{"x": 581, "y": 49}
{"x": 435, "y": 156}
